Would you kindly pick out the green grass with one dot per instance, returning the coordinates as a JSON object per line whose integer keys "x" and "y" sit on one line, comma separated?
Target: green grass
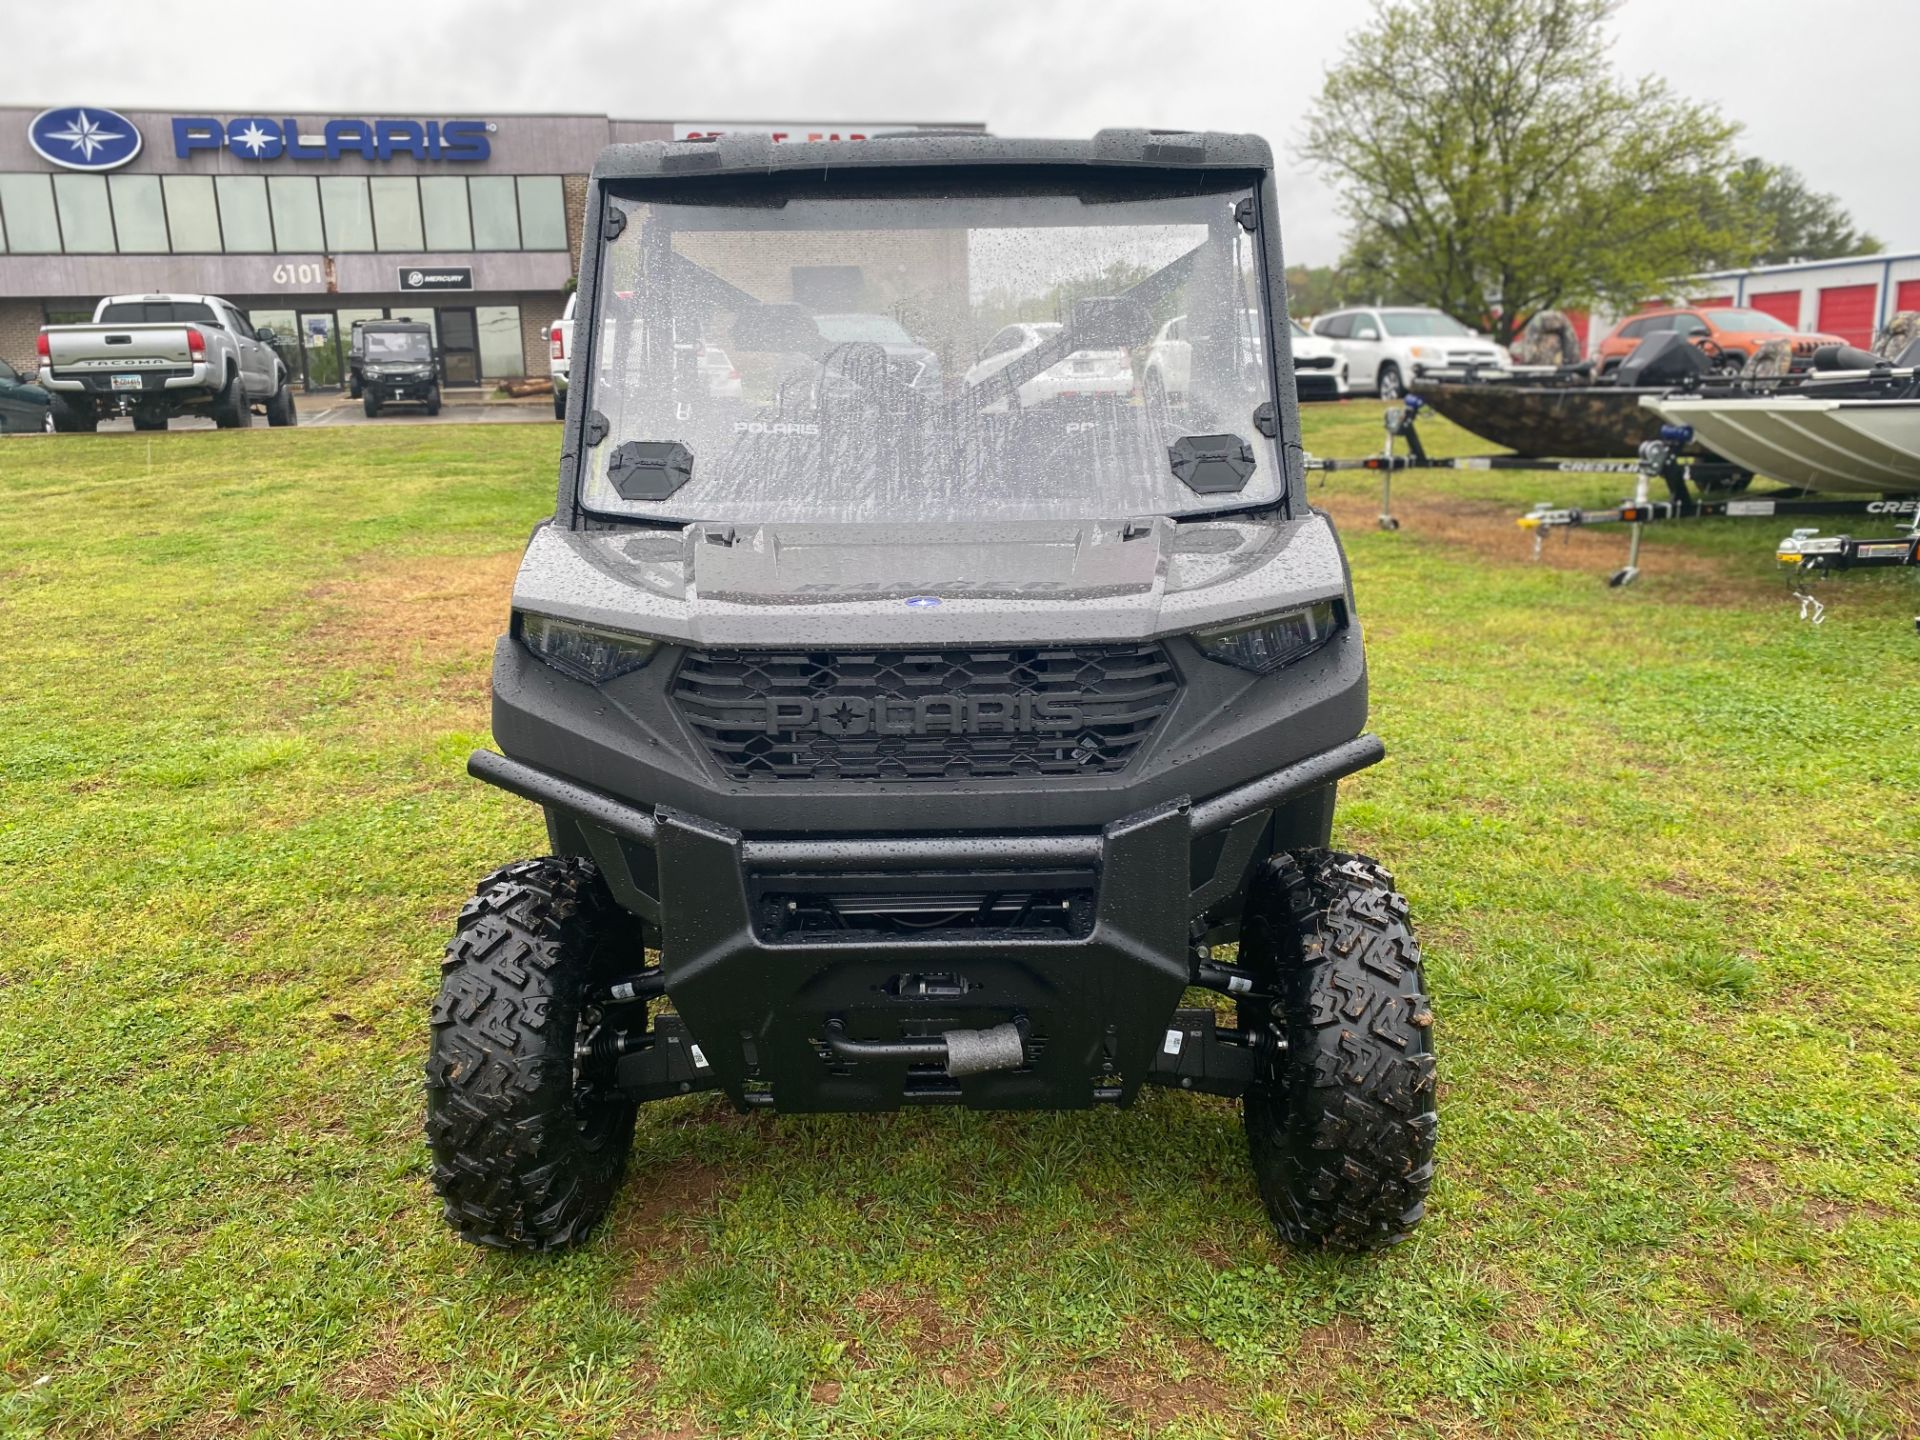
{"x": 1663, "y": 845}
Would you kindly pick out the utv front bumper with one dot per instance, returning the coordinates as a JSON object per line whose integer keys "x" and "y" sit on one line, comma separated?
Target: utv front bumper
{"x": 1038, "y": 970}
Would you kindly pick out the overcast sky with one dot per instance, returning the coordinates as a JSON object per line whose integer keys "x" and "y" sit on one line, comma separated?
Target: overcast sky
{"x": 1799, "y": 74}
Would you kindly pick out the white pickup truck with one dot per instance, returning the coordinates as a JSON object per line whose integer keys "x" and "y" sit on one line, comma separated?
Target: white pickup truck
{"x": 560, "y": 337}
{"x": 157, "y": 356}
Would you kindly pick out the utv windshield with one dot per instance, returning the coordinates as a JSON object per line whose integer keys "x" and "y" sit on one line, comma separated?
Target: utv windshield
{"x": 935, "y": 351}
{"x": 399, "y": 345}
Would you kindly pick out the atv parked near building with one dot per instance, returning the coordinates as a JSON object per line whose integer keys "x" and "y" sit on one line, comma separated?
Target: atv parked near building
{"x": 901, "y": 745}
{"x": 399, "y": 364}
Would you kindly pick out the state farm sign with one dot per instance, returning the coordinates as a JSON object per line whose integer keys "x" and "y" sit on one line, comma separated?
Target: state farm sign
{"x": 796, "y": 131}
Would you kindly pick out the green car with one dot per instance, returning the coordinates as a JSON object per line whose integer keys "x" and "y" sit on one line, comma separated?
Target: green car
{"x": 23, "y": 405}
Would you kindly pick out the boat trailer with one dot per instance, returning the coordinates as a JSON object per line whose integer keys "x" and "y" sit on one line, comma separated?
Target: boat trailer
{"x": 1657, "y": 460}
{"x": 1683, "y": 474}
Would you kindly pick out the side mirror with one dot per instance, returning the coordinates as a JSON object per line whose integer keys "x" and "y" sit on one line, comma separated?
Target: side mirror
{"x": 1366, "y": 332}
{"x": 1109, "y": 322}
{"x": 778, "y": 329}
{"x": 267, "y": 336}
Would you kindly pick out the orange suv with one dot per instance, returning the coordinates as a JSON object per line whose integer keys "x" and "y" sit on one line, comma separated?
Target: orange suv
{"x": 1735, "y": 332}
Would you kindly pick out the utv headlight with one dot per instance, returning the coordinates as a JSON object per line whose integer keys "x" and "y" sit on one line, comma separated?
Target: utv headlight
{"x": 585, "y": 652}
{"x": 1264, "y": 645}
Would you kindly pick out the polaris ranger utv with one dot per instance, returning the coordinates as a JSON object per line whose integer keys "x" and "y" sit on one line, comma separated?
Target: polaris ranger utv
{"x": 924, "y": 744}
{"x": 395, "y": 362}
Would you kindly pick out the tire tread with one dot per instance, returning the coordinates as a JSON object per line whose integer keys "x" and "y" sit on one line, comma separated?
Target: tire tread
{"x": 1342, "y": 1134}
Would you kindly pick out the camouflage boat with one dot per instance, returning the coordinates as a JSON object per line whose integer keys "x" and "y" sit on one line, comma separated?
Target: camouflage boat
{"x": 1545, "y": 417}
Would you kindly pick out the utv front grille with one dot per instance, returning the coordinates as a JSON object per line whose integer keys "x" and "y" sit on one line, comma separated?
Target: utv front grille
{"x": 924, "y": 715}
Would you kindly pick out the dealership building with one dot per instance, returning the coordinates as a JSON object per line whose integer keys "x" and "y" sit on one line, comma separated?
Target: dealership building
{"x": 311, "y": 222}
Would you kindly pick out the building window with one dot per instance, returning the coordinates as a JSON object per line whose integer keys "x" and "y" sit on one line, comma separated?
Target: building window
{"x": 192, "y": 218}
{"x": 424, "y": 316}
{"x": 543, "y": 213}
{"x": 86, "y": 219}
{"x": 396, "y": 213}
{"x": 296, "y": 212}
{"x": 27, "y": 202}
{"x": 244, "y": 222}
{"x": 139, "y": 215}
{"x": 443, "y": 203}
{"x": 501, "y": 355}
{"x": 496, "y": 213}
{"x": 349, "y": 217}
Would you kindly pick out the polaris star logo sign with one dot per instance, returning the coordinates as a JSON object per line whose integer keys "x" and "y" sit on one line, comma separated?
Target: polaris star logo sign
{"x": 258, "y": 137}
{"x": 921, "y": 602}
{"x": 84, "y": 137}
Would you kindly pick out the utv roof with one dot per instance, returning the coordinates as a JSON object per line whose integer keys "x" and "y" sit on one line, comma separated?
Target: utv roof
{"x": 760, "y": 154}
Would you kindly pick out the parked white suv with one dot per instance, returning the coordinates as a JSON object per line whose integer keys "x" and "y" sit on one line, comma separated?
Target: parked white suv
{"x": 1319, "y": 371}
{"x": 1084, "y": 372}
{"x": 1383, "y": 346}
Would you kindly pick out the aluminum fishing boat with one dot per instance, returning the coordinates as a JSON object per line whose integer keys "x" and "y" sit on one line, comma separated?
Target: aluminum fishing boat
{"x": 1832, "y": 443}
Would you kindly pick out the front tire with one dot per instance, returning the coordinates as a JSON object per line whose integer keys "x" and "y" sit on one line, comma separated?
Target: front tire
{"x": 280, "y": 407}
{"x": 370, "y": 404}
{"x": 1387, "y": 384}
{"x": 526, "y": 1154}
{"x": 1341, "y": 1129}
{"x": 433, "y": 401}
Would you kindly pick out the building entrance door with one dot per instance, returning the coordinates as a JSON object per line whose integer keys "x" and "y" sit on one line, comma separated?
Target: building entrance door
{"x": 459, "y": 347}
{"x": 320, "y": 349}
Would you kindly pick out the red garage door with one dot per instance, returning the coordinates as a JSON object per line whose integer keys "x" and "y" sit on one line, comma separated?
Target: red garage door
{"x": 1781, "y": 304}
{"x": 1847, "y": 311}
{"x": 1579, "y": 319}
{"x": 1907, "y": 296}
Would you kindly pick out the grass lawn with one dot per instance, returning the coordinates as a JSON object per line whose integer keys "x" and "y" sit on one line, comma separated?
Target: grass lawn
{"x": 1663, "y": 845}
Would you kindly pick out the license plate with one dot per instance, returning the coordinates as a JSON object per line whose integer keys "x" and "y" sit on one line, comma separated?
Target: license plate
{"x": 128, "y": 382}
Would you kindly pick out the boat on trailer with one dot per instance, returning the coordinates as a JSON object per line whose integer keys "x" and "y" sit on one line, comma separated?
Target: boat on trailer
{"x": 1856, "y": 445}
{"x": 1566, "y": 412}
{"x": 1572, "y": 422}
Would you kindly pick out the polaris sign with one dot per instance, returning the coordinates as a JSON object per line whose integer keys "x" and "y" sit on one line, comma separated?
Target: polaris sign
{"x": 84, "y": 137}
{"x": 258, "y": 138}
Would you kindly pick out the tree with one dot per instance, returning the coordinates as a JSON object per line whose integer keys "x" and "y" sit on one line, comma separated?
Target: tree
{"x": 1492, "y": 165}
{"x": 1312, "y": 289}
{"x": 1796, "y": 223}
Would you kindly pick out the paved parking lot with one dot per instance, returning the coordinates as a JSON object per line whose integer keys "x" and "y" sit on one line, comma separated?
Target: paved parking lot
{"x": 472, "y": 408}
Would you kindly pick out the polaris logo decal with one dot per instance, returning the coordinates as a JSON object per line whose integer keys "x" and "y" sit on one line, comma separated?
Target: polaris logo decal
{"x": 921, "y": 602}
{"x": 924, "y": 715}
{"x": 774, "y": 427}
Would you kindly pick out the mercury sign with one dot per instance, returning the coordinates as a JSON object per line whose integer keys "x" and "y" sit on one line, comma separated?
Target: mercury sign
{"x": 258, "y": 138}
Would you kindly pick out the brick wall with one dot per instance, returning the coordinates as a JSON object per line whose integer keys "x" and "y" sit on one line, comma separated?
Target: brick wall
{"x": 20, "y": 322}
{"x": 537, "y": 314}
{"x": 574, "y": 189}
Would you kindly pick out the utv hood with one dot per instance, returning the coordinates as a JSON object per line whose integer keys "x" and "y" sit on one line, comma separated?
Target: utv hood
{"x": 890, "y": 585}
